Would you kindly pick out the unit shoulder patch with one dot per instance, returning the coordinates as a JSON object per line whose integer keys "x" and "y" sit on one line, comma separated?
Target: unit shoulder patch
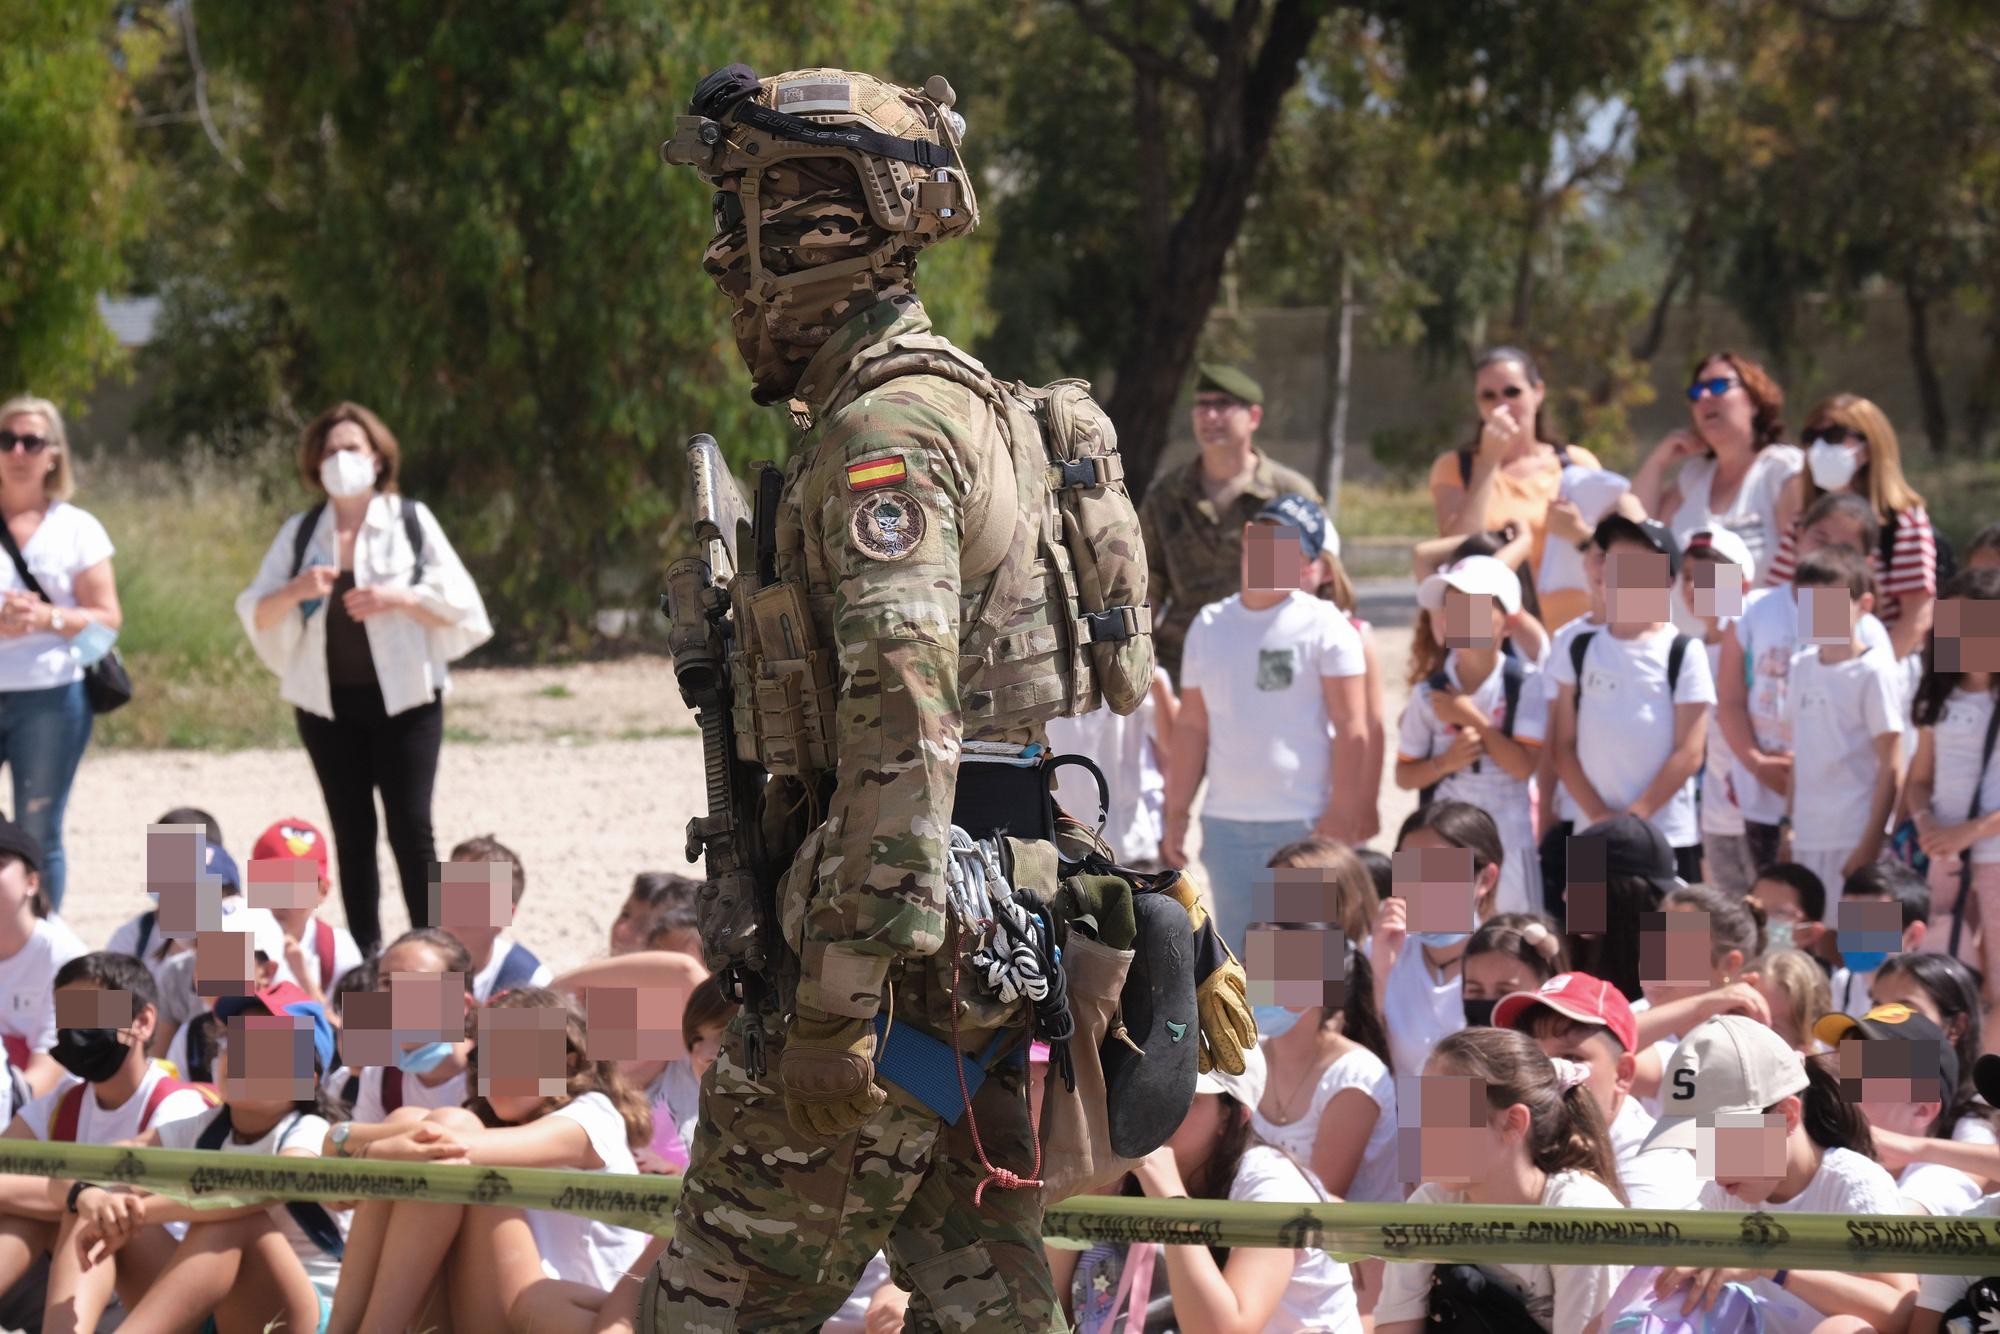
{"x": 888, "y": 525}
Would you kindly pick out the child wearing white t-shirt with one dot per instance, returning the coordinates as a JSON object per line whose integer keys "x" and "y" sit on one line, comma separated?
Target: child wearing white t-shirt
{"x": 1844, "y": 701}
{"x": 32, "y": 949}
{"x": 1716, "y": 574}
{"x": 1631, "y": 715}
{"x": 1473, "y": 728}
{"x": 1272, "y": 714}
{"x": 1564, "y": 1159}
{"x": 400, "y": 1249}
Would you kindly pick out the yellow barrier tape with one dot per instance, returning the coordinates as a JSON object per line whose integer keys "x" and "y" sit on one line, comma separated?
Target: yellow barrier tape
{"x": 1459, "y": 1233}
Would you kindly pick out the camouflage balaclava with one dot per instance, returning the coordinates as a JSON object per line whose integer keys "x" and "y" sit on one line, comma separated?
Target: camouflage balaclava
{"x": 828, "y": 183}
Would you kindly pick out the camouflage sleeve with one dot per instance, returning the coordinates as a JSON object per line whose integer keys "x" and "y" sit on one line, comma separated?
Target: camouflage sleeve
{"x": 1159, "y": 590}
{"x": 884, "y": 503}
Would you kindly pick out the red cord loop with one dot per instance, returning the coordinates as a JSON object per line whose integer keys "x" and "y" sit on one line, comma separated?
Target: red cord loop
{"x": 1000, "y": 1175}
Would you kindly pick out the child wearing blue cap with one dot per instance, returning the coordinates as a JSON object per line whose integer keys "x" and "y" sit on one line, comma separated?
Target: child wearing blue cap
{"x": 254, "y": 1264}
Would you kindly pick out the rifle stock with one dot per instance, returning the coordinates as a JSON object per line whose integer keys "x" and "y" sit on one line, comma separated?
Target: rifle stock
{"x": 737, "y": 910}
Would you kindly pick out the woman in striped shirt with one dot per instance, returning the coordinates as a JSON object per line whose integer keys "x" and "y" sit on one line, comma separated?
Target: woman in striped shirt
{"x": 1850, "y": 446}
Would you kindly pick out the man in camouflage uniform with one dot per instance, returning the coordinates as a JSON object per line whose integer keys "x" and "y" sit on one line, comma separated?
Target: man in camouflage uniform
{"x": 1194, "y": 517}
{"x": 799, "y": 1178}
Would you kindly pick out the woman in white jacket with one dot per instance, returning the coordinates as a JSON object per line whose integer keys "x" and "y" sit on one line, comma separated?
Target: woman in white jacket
{"x": 360, "y": 603}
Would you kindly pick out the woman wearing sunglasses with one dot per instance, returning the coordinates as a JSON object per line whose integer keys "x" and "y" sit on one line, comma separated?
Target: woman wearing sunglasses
{"x": 45, "y": 636}
{"x": 1732, "y": 468}
{"x": 1851, "y": 447}
{"x": 1512, "y": 473}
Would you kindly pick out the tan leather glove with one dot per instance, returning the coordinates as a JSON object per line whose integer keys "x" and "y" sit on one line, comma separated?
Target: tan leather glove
{"x": 1221, "y": 992}
{"x": 828, "y": 1074}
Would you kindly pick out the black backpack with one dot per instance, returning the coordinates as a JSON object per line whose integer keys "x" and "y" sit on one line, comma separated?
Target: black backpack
{"x": 1470, "y": 1299}
{"x": 1512, "y": 674}
{"x": 311, "y": 1216}
{"x": 1978, "y": 1310}
{"x": 1675, "y": 656}
{"x": 412, "y": 529}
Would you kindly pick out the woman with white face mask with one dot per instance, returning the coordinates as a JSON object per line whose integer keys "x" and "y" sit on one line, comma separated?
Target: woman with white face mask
{"x": 359, "y": 604}
{"x": 1852, "y": 448}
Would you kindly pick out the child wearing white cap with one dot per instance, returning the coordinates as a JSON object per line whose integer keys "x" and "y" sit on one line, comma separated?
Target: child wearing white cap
{"x": 1747, "y": 1103}
{"x": 1473, "y": 728}
{"x": 1215, "y": 1155}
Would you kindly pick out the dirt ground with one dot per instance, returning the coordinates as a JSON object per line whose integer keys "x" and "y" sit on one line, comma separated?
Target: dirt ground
{"x": 589, "y": 772}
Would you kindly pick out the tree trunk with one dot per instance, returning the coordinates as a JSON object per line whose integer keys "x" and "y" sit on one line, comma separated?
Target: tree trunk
{"x": 1930, "y": 391}
{"x": 1339, "y": 366}
{"x": 1524, "y": 259}
{"x": 1239, "y": 107}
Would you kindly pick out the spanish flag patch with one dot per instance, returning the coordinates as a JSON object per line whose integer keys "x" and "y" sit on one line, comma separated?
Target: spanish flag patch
{"x": 884, "y": 470}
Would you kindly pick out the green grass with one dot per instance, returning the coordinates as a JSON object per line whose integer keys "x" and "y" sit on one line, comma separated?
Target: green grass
{"x": 1962, "y": 496}
{"x": 556, "y": 691}
{"x": 187, "y": 544}
{"x": 1384, "y": 509}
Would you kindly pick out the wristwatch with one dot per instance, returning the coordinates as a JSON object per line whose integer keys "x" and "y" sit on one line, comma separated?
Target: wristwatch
{"x": 56, "y": 620}
{"x": 339, "y": 1138}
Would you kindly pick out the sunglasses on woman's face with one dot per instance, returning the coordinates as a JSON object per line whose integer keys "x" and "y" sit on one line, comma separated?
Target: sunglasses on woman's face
{"x": 1833, "y": 435}
{"x": 1511, "y": 391}
{"x": 1715, "y": 388}
{"x": 34, "y": 444}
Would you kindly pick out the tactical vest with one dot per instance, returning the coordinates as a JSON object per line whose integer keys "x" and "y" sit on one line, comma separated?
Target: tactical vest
{"x": 1052, "y": 570}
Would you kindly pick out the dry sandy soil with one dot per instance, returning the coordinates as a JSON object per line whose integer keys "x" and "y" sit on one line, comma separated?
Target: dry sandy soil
{"x": 589, "y": 772}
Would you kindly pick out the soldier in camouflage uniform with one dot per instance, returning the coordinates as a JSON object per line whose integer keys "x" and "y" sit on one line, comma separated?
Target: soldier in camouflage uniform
{"x": 796, "y": 1180}
{"x": 1194, "y": 517}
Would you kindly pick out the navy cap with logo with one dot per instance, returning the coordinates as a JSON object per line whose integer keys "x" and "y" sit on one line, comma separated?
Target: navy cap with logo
{"x": 1300, "y": 512}
{"x": 1634, "y": 847}
{"x": 1646, "y": 532}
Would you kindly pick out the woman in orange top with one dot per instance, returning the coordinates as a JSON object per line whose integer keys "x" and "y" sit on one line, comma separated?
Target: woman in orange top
{"x": 1513, "y": 472}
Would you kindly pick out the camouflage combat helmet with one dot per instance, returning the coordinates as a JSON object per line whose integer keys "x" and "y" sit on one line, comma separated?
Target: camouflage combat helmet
{"x": 828, "y": 183}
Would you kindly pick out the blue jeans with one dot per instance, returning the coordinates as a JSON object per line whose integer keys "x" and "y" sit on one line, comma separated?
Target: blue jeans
{"x": 42, "y": 737}
{"x": 1234, "y": 854}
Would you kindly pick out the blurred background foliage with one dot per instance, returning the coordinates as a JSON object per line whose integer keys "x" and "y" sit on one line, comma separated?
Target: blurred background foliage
{"x": 458, "y": 216}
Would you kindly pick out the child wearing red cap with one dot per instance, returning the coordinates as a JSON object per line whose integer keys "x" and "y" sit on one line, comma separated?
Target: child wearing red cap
{"x": 318, "y": 952}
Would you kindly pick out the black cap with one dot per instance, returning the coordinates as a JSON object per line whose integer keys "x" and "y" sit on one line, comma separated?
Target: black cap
{"x": 1889, "y": 1023}
{"x": 1633, "y": 847}
{"x": 1646, "y": 532}
{"x": 1220, "y": 379}
{"x": 1986, "y": 1078}
{"x": 22, "y": 844}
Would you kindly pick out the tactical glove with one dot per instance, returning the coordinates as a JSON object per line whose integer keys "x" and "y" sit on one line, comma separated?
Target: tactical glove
{"x": 828, "y": 1074}
{"x": 1228, "y": 1026}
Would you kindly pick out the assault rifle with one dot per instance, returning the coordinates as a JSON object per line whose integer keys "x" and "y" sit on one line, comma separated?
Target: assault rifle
{"x": 736, "y": 913}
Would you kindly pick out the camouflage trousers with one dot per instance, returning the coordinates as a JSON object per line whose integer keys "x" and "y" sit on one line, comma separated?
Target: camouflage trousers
{"x": 772, "y": 1232}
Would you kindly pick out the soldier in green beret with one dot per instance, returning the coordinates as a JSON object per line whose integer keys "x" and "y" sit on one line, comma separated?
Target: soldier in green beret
{"x": 1193, "y": 518}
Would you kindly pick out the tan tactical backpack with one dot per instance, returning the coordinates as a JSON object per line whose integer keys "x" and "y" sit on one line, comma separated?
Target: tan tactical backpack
{"x": 1065, "y": 450}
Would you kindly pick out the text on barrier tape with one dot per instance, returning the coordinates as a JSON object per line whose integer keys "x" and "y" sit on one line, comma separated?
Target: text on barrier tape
{"x": 1424, "y": 1232}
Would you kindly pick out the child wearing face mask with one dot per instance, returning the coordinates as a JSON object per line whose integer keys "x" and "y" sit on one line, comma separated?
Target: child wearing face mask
{"x": 1737, "y": 1078}
{"x": 1509, "y": 953}
{"x": 110, "y": 1092}
{"x": 1878, "y": 882}
{"x": 426, "y": 1074}
{"x": 1845, "y": 706}
{"x": 1542, "y": 1140}
{"x": 1473, "y": 728}
{"x": 1419, "y": 980}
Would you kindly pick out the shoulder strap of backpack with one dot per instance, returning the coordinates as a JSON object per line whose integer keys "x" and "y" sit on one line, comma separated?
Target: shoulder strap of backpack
{"x": 392, "y": 1088}
{"x": 69, "y": 1111}
{"x": 1464, "y": 466}
{"x": 1577, "y": 648}
{"x": 304, "y": 536}
{"x": 1512, "y": 674}
{"x": 413, "y": 529}
{"x": 1675, "y": 656}
{"x": 323, "y": 946}
{"x": 1562, "y": 455}
{"x": 166, "y": 1088}
{"x": 1985, "y": 761}
{"x": 147, "y": 921}
{"x": 215, "y": 1132}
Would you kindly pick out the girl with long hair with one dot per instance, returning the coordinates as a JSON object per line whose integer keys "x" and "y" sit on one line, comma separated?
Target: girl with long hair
{"x": 498, "y": 1268}
{"x": 1851, "y": 449}
{"x": 1954, "y": 786}
{"x": 1513, "y": 952}
{"x": 1535, "y": 1137}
